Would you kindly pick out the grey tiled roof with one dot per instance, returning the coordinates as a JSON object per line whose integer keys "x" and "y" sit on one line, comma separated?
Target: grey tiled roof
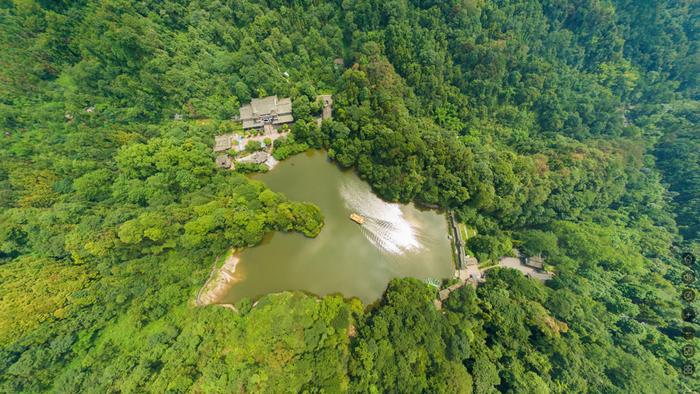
{"x": 256, "y": 158}
{"x": 223, "y": 142}
{"x": 268, "y": 109}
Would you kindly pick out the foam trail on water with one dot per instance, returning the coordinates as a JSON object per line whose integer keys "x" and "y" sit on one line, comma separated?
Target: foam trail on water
{"x": 385, "y": 225}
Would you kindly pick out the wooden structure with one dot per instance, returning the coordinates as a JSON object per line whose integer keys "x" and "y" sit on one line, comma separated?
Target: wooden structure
{"x": 359, "y": 219}
{"x": 223, "y": 142}
{"x": 255, "y": 158}
{"x": 327, "y": 101}
{"x": 224, "y": 161}
{"x": 536, "y": 262}
{"x": 267, "y": 110}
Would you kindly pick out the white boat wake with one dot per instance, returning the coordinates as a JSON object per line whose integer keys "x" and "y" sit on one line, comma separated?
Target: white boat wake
{"x": 385, "y": 225}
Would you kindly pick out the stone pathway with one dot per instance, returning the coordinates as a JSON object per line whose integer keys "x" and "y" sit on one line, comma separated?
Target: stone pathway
{"x": 475, "y": 275}
{"x": 260, "y": 138}
{"x": 515, "y": 263}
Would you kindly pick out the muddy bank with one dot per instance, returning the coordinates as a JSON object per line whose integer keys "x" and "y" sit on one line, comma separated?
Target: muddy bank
{"x": 219, "y": 282}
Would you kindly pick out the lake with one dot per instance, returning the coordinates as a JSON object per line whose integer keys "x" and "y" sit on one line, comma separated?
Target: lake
{"x": 396, "y": 240}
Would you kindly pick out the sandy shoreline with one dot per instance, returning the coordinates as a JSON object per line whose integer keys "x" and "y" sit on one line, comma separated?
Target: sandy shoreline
{"x": 220, "y": 280}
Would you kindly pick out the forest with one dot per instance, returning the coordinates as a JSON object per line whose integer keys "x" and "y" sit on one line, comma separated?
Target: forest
{"x": 565, "y": 128}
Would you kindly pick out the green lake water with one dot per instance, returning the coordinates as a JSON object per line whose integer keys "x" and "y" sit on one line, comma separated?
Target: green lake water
{"x": 397, "y": 240}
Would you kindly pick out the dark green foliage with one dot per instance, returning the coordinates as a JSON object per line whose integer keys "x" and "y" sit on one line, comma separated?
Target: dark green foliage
{"x": 678, "y": 155}
{"x": 253, "y": 146}
{"x": 563, "y": 128}
{"x": 488, "y": 247}
{"x": 536, "y": 242}
{"x": 400, "y": 347}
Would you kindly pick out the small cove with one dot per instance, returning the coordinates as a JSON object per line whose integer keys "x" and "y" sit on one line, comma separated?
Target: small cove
{"x": 397, "y": 240}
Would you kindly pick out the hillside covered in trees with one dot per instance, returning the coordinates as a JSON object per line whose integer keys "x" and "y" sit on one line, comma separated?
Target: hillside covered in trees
{"x": 567, "y": 128}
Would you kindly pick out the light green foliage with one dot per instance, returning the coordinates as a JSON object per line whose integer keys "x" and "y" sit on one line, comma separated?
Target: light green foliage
{"x": 94, "y": 186}
{"x": 30, "y": 285}
{"x": 253, "y": 146}
{"x": 161, "y": 170}
{"x": 567, "y": 129}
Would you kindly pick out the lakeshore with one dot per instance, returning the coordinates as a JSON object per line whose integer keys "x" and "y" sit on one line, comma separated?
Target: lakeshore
{"x": 219, "y": 280}
{"x": 395, "y": 240}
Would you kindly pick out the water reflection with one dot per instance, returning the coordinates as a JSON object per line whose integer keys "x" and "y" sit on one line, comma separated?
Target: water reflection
{"x": 397, "y": 240}
{"x": 385, "y": 225}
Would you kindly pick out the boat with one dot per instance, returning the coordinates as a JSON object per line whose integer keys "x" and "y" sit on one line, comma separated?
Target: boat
{"x": 359, "y": 219}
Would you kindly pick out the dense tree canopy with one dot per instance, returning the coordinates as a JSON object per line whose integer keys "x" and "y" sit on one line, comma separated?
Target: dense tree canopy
{"x": 567, "y": 129}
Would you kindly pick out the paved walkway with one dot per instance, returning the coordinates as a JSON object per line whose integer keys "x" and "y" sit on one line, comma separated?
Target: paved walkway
{"x": 260, "y": 138}
{"x": 475, "y": 275}
{"x": 515, "y": 263}
{"x": 474, "y": 272}
{"x": 457, "y": 241}
{"x": 469, "y": 272}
